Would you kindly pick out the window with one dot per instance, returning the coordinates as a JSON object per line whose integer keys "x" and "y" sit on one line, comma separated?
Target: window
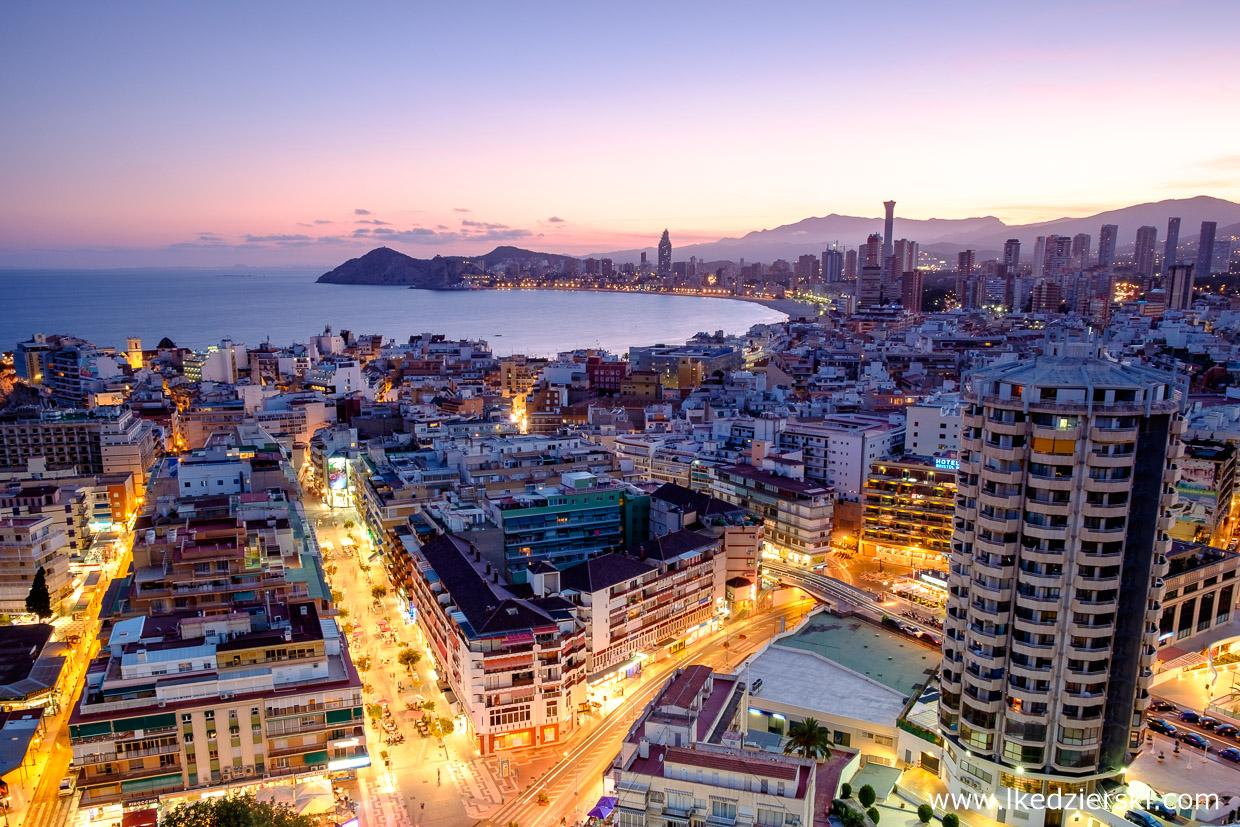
{"x": 723, "y": 809}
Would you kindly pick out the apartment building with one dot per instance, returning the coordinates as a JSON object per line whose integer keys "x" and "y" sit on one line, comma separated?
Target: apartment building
{"x": 910, "y": 507}
{"x": 517, "y": 667}
{"x": 839, "y": 450}
{"x": 681, "y": 764}
{"x": 563, "y": 524}
{"x": 186, "y": 702}
{"x": 28, "y": 544}
{"x": 933, "y": 426}
{"x": 103, "y": 440}
{"x": 1067, "y": 469}
{"x": 659, "y": 595}
{"x": 796, "y": 514}
{"x": 741, "y": 534}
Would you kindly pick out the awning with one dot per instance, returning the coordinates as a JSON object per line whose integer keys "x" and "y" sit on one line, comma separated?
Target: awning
{"x": 140, "y": 818}
{"x": 604, "y": 807}
{"x": 313, "y": 758}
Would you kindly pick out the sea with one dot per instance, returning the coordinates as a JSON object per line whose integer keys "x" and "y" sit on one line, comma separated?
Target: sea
{"x": 197, "y": 309}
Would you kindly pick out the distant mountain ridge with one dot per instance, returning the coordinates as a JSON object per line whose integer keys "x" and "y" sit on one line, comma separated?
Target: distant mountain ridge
{"x": 984, "y": 234}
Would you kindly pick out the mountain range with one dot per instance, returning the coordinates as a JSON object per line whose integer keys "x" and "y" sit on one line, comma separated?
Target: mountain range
{"x": 947, "y": 236}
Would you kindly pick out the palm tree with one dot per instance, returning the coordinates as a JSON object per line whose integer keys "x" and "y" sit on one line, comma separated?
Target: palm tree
{"x": 809, "y": 741}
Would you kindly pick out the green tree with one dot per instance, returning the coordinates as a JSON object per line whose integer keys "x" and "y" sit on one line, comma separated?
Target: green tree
{"x": 378, "y": 592}
{"x": 873, "y": 814}
{"x": 236, "y": 811}
{"x": 348, "y": 525}
{"x": 446, "y": 726}
{"x": 39, "y": 601}
{"x": 951, "y": 820}
{"x": 337, "y": 596}
{"x": 342, "y": 612}
{"x": 924, "y": 813}
{"x": 408, "y": 658}
{"x": 846, "y": 790}
{"x": 362, "y": 664}
{"x": 429, "y": 706}
{"x": 867, "y": 796}
{"x": 809, "y": 740}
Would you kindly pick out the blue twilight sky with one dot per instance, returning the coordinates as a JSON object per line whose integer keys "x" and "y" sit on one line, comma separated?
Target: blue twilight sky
{"x": 294, "y": 133}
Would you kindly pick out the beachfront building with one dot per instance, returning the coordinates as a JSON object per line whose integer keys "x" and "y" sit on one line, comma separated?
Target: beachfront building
{"x": 102, "y": 440}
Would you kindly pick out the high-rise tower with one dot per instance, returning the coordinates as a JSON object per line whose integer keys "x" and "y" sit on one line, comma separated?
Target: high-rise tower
{"x": 1106, "y": 245}
{"x": 665, "y": 257}
{"x": 1205, "y": 249}
{"x": 1171, "y": 248}
{"x": 888, "y": 229}
{"x": 1011, "y": 255}
{"x": 1178, "y": 279}
{"x": 1143, "y": 258}
{"x": 1067, "y": 471}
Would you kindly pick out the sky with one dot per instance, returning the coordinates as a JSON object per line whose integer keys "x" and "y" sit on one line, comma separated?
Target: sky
{"x": 286, "y": 134}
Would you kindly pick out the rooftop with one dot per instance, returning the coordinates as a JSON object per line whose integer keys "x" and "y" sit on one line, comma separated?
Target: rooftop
{"x": 883, "y": 656}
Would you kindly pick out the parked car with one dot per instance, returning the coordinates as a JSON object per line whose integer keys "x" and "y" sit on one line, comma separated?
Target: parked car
{"x": 1189, "y": 717}
{"x": 1164, "y": 706}
{"x": 1161, "y": 725}
{"x": 1158, "y": 808}
{"x": 67, "y": 785}
{"x": 1142, "y": 819}
{"x": 1195, "y": 740}
{"x": 1226, "y": 731}
{"x": 1206, "y": 722}
{"x": 1229, "y": 754}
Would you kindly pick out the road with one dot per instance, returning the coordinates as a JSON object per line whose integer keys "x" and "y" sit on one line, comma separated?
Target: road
{"x": 573, "y": 784}
{"x": 839, "y": 593}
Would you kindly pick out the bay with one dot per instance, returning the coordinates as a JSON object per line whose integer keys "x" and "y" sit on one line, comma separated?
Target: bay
{"x": 197, "y": 309}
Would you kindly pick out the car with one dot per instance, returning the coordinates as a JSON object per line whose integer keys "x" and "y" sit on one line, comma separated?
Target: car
{"x": 1226, "y": 731}
{"x": 1206, "y": 722}
{"x": 1195, "y": 740}
{"x": 1164, "y": 706}
{"x": 67, "y": 786}
{"x": 1189, "y": 717}
{"x": 1161, "y": 725}
{"x": 1230, "y": 754}
{"x": 1158, "y": 808}
{"x": 1142, "y": 819}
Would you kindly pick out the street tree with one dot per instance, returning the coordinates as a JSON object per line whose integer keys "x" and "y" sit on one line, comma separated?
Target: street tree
{"x": 378, "y": 592}
{"x": 234, "y": 811}
{"x": 39, "y": 600}
{"x": 348, "y": 525}
{"x": 408, "y": 658}
{"x": 362, "y": 664}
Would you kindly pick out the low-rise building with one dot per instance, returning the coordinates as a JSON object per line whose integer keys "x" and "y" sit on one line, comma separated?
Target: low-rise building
{"x": 682, "y": 764}
{"x": 1200, "y": 593}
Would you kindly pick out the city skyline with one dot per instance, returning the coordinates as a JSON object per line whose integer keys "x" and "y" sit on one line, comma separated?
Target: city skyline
{"x": 178, "y": 137}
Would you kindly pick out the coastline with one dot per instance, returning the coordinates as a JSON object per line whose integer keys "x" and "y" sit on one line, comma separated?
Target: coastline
{"x": 789, "y": 307}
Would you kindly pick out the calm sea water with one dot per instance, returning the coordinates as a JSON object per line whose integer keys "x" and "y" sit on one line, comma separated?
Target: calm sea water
{"x": 198, "y": 309}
